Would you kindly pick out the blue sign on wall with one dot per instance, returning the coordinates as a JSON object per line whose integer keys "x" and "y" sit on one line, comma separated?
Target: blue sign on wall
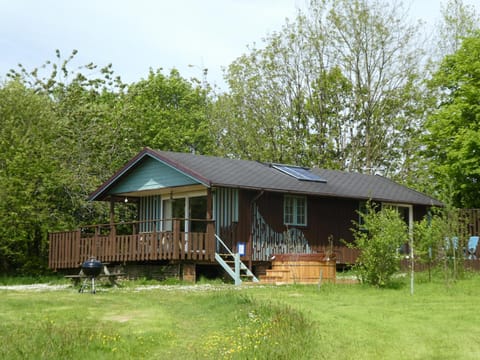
{"x": 241, "y": 249}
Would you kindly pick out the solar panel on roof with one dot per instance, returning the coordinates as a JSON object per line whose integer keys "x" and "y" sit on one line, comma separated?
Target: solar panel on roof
{"x": 299, "y": 173}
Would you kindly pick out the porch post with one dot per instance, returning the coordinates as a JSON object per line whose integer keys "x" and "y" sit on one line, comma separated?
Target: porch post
{"x": 112, "y": 219}
{"x": 410, "y": 238}
{"x": 210, "y": 243}
{"x": 177, "y": 239}
{"x": 109, "y": 252}
{"x": 209, "y": 204}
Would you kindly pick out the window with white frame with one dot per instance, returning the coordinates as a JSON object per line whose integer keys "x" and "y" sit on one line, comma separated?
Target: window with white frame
{"x": 295, "y": 210}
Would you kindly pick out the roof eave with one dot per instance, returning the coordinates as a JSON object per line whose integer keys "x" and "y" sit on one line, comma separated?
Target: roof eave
{"x": 433, "y": 202}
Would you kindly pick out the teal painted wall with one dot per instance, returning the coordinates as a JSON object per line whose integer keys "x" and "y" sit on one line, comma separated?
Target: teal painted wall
{"x": 151, "y": 174}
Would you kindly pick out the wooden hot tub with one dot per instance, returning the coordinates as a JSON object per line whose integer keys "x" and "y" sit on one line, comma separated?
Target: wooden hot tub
{"x": 301, "y": 269}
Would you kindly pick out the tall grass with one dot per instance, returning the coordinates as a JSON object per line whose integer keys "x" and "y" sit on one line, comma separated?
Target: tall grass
{"x": 262, "y": 331}
{"x": 48, "y": 339}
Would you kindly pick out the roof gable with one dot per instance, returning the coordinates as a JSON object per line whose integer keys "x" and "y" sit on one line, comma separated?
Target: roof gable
{"x": 146, "y": 171}
{"x": 150, "y": 174}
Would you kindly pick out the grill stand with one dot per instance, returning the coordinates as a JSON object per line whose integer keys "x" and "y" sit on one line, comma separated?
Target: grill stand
{"x": 89, "y": 281}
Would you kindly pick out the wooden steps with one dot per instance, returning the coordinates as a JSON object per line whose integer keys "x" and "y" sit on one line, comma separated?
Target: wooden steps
{"x": 228, "y": 260}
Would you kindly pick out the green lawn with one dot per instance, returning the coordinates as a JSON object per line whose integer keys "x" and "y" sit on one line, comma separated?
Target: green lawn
{"x": 263, "y": 322}
{"x": 355, "y": 322}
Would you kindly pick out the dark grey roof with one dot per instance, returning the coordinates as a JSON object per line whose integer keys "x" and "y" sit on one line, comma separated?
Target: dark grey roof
{"x": 246, "y": 174}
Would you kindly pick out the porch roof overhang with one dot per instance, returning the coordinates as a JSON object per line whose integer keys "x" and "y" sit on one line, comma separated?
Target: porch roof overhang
{"x": 120, "y": 185}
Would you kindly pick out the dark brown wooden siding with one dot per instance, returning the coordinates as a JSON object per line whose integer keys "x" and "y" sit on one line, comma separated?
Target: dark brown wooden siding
{"x": 245, "y": 215}
{"x": 270, "y": 206}
{"x": 326, "y": 217}
{"x": 330, "y": 218}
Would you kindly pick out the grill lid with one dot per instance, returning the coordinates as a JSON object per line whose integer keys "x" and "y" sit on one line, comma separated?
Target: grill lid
{"x": 92, "y": 267}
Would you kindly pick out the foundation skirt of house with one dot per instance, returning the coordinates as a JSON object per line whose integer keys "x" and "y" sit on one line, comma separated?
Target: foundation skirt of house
{"x": 184, "y": 271}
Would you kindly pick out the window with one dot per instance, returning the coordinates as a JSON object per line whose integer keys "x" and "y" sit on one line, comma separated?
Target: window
{"x": 299, "y": 173}
{"x": 173, "y": 209}
{"x": 295, "y": 210}
{"x": 403, "y": 211}
{"x": 198, "y": 212}
{"x": 191, "y": 210}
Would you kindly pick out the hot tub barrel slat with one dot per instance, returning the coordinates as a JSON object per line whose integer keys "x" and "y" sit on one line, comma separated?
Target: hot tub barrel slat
{"x": 303, "y": 268}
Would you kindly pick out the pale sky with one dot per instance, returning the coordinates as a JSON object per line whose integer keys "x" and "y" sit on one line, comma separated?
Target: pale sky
{"x": 135, "y": 35}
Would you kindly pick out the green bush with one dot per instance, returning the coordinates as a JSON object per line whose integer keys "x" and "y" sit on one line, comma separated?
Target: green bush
{"x": 379, "y": 237}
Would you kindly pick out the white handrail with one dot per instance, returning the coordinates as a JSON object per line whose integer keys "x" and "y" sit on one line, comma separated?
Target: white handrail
{"x": 239, "y": 265}
{"x": 225, "y": 246}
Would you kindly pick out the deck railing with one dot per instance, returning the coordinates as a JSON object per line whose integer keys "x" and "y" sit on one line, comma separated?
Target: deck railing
{"x": 345, "y": 255}
{"x": 124, "y": 242}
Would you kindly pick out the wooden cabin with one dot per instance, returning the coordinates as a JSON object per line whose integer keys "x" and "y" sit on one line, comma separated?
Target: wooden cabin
{"x": 192, "y": 208}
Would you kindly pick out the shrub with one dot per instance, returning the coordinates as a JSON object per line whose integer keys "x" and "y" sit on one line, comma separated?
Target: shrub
{"x": 379, "y": 238}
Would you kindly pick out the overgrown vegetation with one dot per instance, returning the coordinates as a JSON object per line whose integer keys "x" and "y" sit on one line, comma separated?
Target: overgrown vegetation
{"x": 259, "y": 334}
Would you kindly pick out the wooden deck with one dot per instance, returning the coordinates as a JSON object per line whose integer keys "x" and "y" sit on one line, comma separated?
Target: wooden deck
{"x": 139, "y": 241}
{"x": 68, "y": 249}
{"x": 345, "y": 255}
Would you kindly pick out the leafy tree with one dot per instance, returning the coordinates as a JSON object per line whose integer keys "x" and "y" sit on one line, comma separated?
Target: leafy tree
{"x": 65, "y": 131}
{"x": 88, "y": 131}
{"x": 263, "y": 115}
{"x": 31, "y": 189}
{"x": 54, "y": 151}
{"x": 375, "y": 47}
{"x": 379, "y": 237}
{"x": 329, "y": 107}
{"x": 458, "y": 21}
{"x": 337, "y": 87}
{"x": 168, "y": 113}
{"x": 453, "y": 129}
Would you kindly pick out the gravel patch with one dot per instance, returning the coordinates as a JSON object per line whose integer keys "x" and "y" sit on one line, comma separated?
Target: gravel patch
{"x": 202, "y": 287}
{"x": 186, "y": 288}
{"x": 34, "y": 287}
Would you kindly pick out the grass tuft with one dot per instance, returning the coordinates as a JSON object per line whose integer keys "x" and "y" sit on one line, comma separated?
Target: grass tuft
{"x": 262, "y": 331}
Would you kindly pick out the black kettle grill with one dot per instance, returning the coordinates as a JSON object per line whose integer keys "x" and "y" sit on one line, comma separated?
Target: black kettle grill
{"x": 91, "y": 269}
